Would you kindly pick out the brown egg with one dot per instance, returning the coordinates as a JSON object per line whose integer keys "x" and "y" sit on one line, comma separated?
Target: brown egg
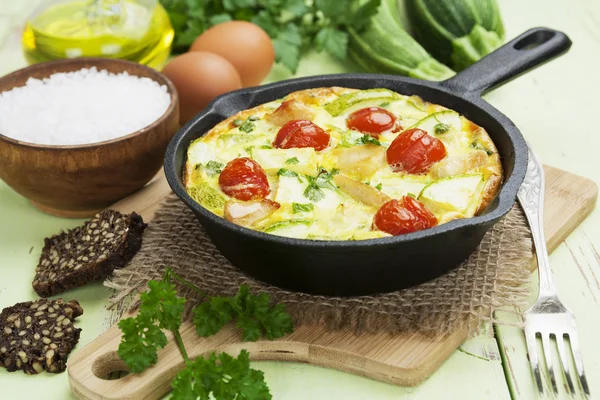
{"x": 200, "y": 77}
{"x": 243, "y": 44}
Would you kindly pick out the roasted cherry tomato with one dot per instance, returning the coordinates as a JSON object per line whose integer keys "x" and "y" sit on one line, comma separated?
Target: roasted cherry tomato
{"x": 244, "y": 179}
{"x": 414, "y": 151}
{"x": 371, "y": 120}
{"x": 301, "y": 133}
{"x": 406, "y": 215}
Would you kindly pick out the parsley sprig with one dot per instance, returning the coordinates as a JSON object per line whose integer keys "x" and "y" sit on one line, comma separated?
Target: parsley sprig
{"x": 294, "y": 25}
{"x": 314, "y": 189}
{"x": 220, "y": 376}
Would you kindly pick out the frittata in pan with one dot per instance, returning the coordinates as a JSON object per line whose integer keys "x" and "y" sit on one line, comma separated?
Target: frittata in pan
{"x": 344, "y": 164}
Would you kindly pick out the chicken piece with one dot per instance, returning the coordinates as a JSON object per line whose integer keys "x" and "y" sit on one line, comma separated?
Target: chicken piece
{"x": 458, "y": 165}
{"x": 249, "y": 213}
{"x": 290, "y": 110}
{"x": 360, "y": 162}
{"x": 361, "y": 191}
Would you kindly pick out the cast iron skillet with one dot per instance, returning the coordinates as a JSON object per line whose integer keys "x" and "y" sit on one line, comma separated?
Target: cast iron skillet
{"x": 349, "y": 268}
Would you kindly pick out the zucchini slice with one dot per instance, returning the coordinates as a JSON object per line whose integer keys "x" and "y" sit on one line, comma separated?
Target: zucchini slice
{"x": 344, "y": 102}
{"x": 460, "y": 194}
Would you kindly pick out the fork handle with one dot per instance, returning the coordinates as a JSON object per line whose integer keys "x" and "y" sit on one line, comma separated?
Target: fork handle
{"x": 531, "y": 197}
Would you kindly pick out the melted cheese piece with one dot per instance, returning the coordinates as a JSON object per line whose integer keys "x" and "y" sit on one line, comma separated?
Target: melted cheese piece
{"x": 312, "y": 207}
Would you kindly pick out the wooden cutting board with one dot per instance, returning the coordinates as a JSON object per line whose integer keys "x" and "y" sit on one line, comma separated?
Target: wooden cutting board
{"x": 403, "y": 359}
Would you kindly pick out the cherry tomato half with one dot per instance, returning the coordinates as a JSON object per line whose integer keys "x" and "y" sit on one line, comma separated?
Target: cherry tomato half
{"x": 371, "y": 120}
{"x": 414, "y": 151}
{"x": 301, "y": 133}
{"x": 406, "y": 215}
{"x": 244, "y": 179}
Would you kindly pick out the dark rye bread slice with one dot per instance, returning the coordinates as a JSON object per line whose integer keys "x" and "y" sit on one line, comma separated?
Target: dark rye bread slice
{"x": 89, "y": 252}
{"x": 37, "y": 336}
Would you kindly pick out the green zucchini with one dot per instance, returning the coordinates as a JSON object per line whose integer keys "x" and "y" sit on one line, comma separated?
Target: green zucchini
{"x": 459, "y": 194}
{"x": 344, "y": 102}
{"x": 456, "y": 32}
{"x": 383, "y": 45}
{"x": 208, "y": 197}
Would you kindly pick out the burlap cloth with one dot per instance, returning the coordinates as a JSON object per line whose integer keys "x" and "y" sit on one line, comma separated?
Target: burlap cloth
{"x": 494, "y": 277}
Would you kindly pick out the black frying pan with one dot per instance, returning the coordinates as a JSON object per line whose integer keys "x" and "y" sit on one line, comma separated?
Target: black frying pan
{"x": 351, "y": 268}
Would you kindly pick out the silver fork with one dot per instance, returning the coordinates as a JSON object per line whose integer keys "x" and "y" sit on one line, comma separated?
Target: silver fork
{"x": 548, "y": 318}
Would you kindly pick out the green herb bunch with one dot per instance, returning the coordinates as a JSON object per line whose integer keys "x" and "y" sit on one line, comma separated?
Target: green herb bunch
{"x": 293, "y": 25}
{"x": 218, "y": 376}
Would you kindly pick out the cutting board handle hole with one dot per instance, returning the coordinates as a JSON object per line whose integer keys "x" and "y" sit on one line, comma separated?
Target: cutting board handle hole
{"x": 109, "y": 367}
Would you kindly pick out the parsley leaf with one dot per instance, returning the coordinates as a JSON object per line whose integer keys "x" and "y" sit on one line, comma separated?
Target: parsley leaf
{"x": 213, "y": 168}
{"x": 251, "y": 312}
{"x": 297, "y": 8}
{"x": 286, "y": 172}
{"x": 255, "y": 316}
{"x": 298, "y": 208}
{"x": 332, "y": 9}
{"x": 287, "y": 47}
{"x": 379, "y": 186}
{"x": 238, "y": 121}
{"x": 221, "y": 377}
{"x": 162, "y": 304}
{"x": 368, "y": 139}
{"x": 210, "y": 316}
{"x": 364, "y": 13}
{"x": 441, "y": 128}
{"x": 333, "y": 40}
{"x": 313, "y": 192}
{"x": 141, "y": 336}
{"x": 293, "y": 160}
{"x": 384, "y": 104}
{"x": 139, "y": 344}
{"x": 218, "y": 19}
{"x": 323, "y": 180}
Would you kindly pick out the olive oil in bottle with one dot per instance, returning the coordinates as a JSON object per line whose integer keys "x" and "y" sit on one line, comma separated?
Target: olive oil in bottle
{"x": 136, "y": 30}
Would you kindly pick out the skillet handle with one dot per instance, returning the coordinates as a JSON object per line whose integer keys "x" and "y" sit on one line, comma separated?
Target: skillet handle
{"x": 529, "y": 50}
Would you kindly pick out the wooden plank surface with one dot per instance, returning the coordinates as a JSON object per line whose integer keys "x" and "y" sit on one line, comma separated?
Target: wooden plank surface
{"x": 405, "y": 359}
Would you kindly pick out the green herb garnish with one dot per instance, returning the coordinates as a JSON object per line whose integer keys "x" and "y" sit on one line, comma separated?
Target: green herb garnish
{"x": 479, "y": 146}
{"x": 218, "y": 376}
{"x": 298, "y": 208}
{"x": 379, "y": 186}
{"x": 291, "y": 161}
{"x": 384, "y": 104}
{"x": 324, "y": 180}
{"x": 313, "y": 192}
{"x": 368, "y": 139}
{"x": 293, "y": 25}
{"x": 248, "y": 125}
{"x": 441, "y": 128}
{"x": 286, "y": 172}
{"x": 238, "y": 122}
{"x": 213, "y": 168}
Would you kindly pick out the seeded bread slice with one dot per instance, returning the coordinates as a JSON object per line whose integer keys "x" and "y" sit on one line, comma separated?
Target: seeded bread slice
{"x": 37, "y": 336}
{"x": 88, "y": 253}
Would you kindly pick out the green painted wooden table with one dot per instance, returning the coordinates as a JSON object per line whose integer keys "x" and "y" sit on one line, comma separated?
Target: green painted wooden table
{"x": 556, "y": 108}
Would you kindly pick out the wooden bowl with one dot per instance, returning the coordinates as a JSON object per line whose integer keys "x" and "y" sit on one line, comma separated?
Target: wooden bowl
{"x": 79, "y": 180}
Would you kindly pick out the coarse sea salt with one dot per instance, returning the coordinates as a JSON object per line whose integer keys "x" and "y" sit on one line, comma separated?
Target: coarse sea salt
{"x": 81, "y": 107}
